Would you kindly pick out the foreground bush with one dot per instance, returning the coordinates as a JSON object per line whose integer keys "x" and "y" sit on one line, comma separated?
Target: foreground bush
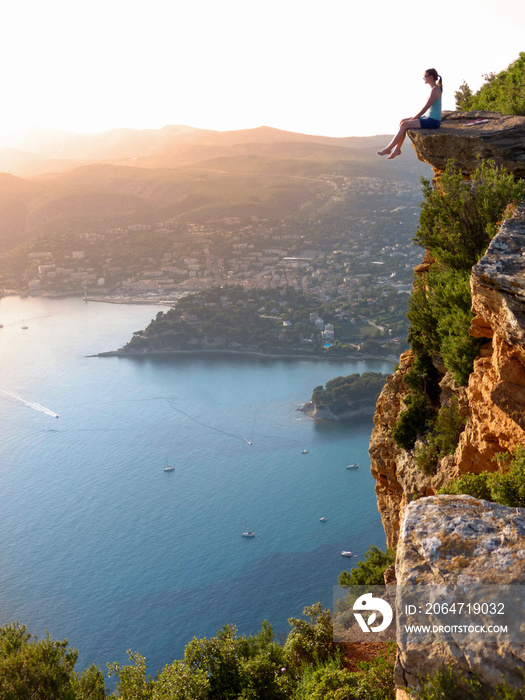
{"x": 43, "y": 670}
{"x": 228, "y": 666}
{"x": 373, "y": 681}
{"x": 369, "y": 571}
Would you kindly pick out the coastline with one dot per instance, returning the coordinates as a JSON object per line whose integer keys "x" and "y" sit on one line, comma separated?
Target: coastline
{"x": 245, "y": 353}
{"x": 120, "y": 299}
{"x": 393, "y": 359}
{"x": 135, "y": 300}
{"x": 326, "y": 414}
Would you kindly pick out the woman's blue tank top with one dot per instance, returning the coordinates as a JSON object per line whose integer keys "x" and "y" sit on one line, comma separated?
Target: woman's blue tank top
{"x": 435, "y": 110}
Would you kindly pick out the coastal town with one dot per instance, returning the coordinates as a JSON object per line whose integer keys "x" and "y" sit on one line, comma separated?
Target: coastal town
{"x": 353, "y": 253}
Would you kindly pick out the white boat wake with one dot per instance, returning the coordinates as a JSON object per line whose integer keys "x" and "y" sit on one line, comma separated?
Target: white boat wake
{"x": 31, "y": 404}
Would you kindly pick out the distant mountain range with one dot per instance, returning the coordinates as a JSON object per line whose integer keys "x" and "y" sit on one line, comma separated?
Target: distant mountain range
{"x": 37, "y": 151}
{"x": 64, "y": 180}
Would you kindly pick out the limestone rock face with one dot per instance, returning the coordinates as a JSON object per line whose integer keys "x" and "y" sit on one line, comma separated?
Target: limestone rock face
{"x": 385, "y": 455}
{"x": 459, "y": 540}
{"x": 496, "y": 390}
{"x": 398, "y": 478}
{"x": 498, "y": 281}
{"x": 501, "y": 138}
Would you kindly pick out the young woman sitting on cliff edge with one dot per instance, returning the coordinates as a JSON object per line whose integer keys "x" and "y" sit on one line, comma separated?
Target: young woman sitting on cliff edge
{"x": 432, "y": 120}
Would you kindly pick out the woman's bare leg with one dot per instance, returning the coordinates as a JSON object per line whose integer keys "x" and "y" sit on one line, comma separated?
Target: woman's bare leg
{"x": 394, "y": 147}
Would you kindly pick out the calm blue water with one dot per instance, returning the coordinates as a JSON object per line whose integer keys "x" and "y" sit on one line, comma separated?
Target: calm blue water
{"x": 98, "y": 544}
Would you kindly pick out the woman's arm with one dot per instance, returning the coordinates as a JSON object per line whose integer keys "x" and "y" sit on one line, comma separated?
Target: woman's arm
{"x": 435, "y": 93}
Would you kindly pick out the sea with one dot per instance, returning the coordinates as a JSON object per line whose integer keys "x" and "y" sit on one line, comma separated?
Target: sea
{"x": 101, "y": 546}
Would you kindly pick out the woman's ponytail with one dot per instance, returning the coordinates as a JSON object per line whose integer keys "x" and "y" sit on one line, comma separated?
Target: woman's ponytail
{"x": 439, "y": 81}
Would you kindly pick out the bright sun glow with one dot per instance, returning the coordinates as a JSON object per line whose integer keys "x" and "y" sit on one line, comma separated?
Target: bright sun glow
{"x": 337, "y": 68}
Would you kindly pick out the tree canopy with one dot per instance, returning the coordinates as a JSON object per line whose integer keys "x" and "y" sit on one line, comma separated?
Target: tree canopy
{"x": 501, "y": 92}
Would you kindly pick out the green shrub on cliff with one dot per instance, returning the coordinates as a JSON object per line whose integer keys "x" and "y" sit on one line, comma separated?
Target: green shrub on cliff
{"x": 506, "y": 486}
{"x": 448, "y": 682}
{"x": 369, "y": 571}
{"x": 440, "y": 316}
{"x": 460, "y": 217}
{"x": 411, "y": 422}
{"x": 442, "y": 439}
{"x": 502, "y": 92}
{"x": 475, "y": 485}
{"x": 373, "y": 681}
{"x": 458, "y": 220}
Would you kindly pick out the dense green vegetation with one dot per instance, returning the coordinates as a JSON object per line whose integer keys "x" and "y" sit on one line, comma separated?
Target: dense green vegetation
{"x": 502, "y": 92}
{"x": 458, "y": 220}
{"x": 43, "y": 669}
{"x": 442, "y": 438}
{"x": 258, "y": 320}
{"x": 506, "y": 486}
{"x": 369, "y": 571}
{"x": 228, "y": 666}
{"x": 460, "y": 217}
{"x": 448, "y": 683}
{"x": 348, "y": 393}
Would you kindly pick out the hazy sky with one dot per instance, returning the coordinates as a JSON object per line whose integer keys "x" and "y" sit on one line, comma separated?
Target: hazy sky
{"x": 332, "y": 67}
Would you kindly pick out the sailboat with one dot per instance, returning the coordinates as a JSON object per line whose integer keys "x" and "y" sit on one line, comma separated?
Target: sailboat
{"x": 168, "y": 468}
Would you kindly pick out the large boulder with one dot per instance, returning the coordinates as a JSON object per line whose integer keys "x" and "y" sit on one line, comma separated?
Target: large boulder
{"x": 468, "y": 136}
{"x": 459, "y": 540}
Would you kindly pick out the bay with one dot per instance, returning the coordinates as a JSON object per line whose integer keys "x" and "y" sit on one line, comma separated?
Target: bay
{"x": 99, "y": 545}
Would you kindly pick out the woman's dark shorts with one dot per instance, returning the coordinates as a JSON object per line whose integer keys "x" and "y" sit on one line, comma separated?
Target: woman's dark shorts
{"x": 429, "y": 123}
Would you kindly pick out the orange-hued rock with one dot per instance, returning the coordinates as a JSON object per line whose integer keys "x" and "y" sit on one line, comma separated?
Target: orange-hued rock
{"x": 496, "y": 389}
{"x": 398, "y": 479}
{"x": 385, "y": 455}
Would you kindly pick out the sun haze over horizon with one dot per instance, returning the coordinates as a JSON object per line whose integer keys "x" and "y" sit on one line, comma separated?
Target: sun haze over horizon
{"x": 341, "y": 70}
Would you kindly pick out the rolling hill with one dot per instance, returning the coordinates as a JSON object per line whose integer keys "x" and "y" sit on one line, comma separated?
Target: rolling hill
{"x": 82, "y": 182}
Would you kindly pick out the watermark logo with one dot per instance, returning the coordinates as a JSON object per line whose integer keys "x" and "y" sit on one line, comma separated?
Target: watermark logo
{"x": 473, "y": 614}
{"x": 368, "y": 603}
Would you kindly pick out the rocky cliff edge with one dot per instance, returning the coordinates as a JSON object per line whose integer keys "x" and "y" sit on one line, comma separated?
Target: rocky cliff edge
{"x": 452, "y": 539}
{"x": 468, "y": 136}
{"x": 494, "y": 399}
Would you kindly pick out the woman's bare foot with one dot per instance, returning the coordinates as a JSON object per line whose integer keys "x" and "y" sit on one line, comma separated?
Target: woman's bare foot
{"x": 396, "y": 152}
{"x": 384, "y": 152}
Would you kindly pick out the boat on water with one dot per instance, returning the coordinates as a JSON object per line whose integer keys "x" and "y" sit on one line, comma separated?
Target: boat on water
{"x": 346, "y": 553}
{"x": 304, "y": 452}
{"x": 248, "y": 533}
{"x": 168, "y": 467}
{"x": 323, "y": 519}
{"x": 352, "y": 466}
